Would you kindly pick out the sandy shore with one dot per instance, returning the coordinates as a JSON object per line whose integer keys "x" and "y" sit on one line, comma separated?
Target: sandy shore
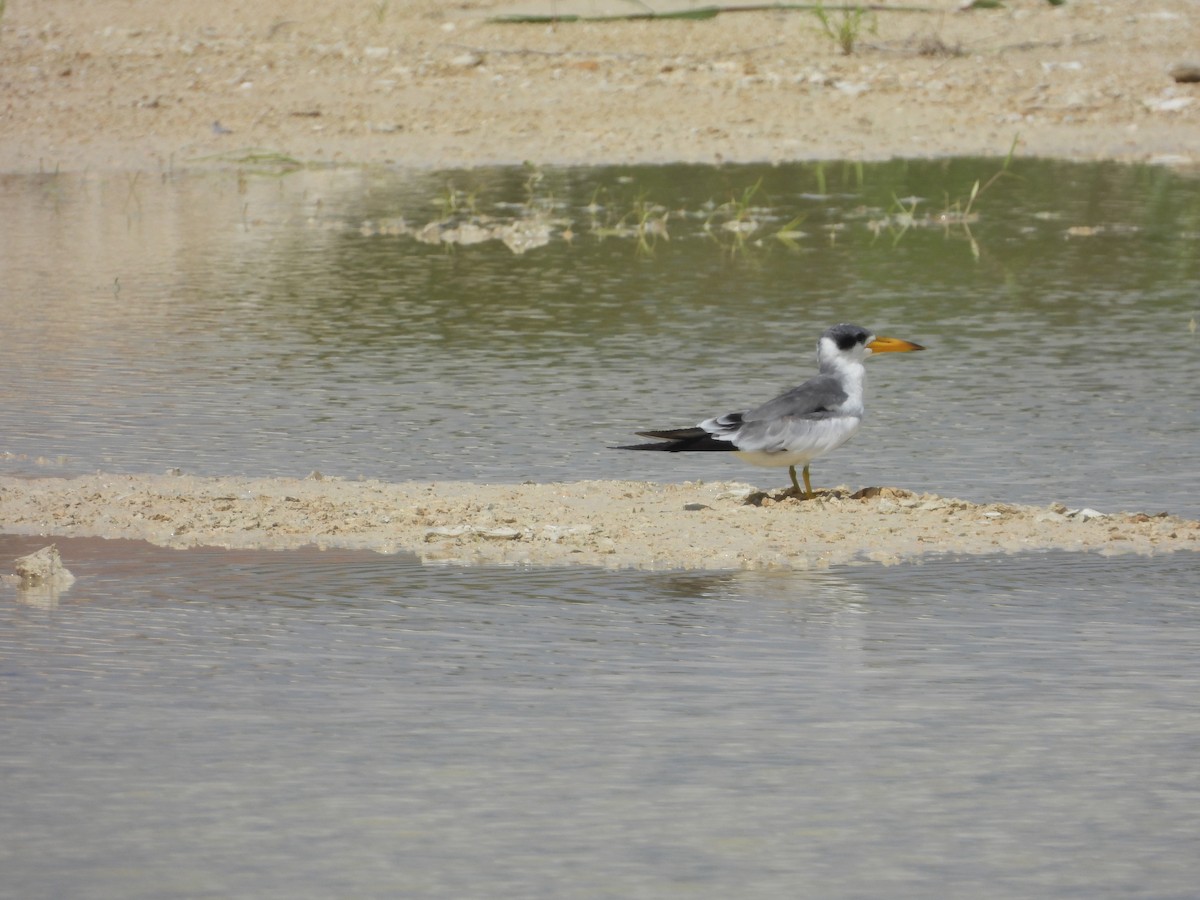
{"x": 110, "y": 84}
{"x": 715, "y": 525}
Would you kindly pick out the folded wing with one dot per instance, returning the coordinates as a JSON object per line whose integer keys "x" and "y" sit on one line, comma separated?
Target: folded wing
{"x": 797, "y": 420}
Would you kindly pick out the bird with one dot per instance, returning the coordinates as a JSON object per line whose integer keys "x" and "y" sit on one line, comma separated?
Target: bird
{"x": 798, "y": 426}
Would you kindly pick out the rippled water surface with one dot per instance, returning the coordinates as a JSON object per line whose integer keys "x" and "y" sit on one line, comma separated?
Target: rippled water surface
{"x": 335, "y": 724}
{"x": 268, "y": 323}
{"x": 307, "y": 724}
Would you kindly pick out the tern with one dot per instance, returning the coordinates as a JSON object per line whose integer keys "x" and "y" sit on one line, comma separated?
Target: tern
{"x": 797, "y": 427}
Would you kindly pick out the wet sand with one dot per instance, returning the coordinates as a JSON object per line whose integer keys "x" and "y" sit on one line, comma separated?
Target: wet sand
{"x": 110, "y": 86}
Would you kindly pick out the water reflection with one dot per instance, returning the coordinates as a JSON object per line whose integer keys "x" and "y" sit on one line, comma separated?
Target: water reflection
{"x": 263, "y": 325}
{"x": 197, "y": 721}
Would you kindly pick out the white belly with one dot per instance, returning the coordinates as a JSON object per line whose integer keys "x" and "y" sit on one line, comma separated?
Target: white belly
{"x": 814, "y": 439}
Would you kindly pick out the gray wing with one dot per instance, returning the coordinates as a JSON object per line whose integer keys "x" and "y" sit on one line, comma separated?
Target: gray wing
{"x": 790, "y": 421}
{"x": 817, "y": 398}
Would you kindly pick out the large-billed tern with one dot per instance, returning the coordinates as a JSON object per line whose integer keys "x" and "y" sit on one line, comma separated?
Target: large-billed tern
{"x": 797, "y": 427}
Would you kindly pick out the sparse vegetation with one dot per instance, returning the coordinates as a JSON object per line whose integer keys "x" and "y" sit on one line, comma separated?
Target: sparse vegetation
{"x": 748, "y": 223}
{"x": 453, "y": 201}
{"x": 932, "y": 45}
{"x": 846, "y": 25}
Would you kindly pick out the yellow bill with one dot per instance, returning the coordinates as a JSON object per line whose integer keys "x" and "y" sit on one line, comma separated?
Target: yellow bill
{"x": 892, "y": 345}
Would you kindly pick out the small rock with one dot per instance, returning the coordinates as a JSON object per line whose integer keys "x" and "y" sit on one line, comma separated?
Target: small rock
{"x": 467, "y": 60}
{"x": 501, "y": 534}
{"x": 852, "y": 88}
{"x": 741, "y": 492}
{"x": 1141, "y": 518}
{"x": 431, "y": 233}
{"x": 524, "y": 234}
{"x": 866, "y": 493}
{"x": 466, "y": 234}
{"x": 894, "y": 493}
{"x": 447, "y": 531}
{"x": 741, "y": 226}
{"x": 1167, "y": 104}
{"x": 44, "y": 567}
{"x": 557, "y": 532}
{"x": 1186, "y": 72}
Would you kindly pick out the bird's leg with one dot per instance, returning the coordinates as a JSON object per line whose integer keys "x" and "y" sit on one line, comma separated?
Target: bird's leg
{"x": 795, "y": 483}
{"x": 807, "y": 484}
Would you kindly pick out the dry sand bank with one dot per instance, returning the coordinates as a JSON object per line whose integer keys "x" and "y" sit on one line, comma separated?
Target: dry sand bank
{"x": 717, "y": 525}
{"x": 113, "y": 84}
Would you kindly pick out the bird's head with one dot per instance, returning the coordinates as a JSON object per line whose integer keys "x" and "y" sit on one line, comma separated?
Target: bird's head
{"x": 842, "y": 344}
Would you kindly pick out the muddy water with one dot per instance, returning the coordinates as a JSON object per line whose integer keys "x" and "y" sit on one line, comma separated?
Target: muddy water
{"x": 306, "y": 724}
{"x": 267, "y": 322}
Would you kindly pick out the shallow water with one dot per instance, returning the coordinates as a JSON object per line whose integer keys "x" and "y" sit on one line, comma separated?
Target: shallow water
{"x": 210, "y": 724}
{"x": 307, "y": 724}
{"x": 272, "y": 323}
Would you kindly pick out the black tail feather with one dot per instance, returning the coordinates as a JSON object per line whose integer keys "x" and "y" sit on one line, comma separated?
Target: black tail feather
{"x": 674, "y": 440}
{"x": 674, "y": 434}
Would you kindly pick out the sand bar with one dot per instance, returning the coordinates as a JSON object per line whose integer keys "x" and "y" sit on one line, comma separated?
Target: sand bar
{"x": 706, "y": 525}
